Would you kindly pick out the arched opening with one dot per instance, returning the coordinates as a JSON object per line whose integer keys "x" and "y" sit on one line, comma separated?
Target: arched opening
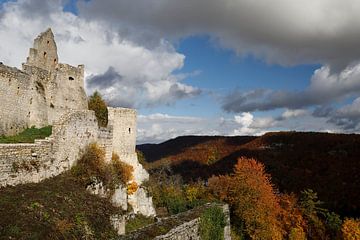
{"x": 71, "y": 78}
{"x": 129, "y": 130}
{"x": 45, "y": 54}
{"x": 55, "y": 61}
{"x": 48, "y": 42}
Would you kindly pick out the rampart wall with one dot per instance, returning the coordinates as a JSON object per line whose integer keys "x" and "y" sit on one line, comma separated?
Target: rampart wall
{"x": 23, "y": 163}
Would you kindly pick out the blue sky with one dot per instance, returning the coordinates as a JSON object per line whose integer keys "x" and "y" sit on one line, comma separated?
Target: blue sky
{"x": 202, "y": 67}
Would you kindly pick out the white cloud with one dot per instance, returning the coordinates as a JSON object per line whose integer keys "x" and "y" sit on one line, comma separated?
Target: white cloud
{"x": 141, "y": 75}
{"x": 245, "y": 119}
{"x": 250, "y": 125}
{"x": 293, "y": 113}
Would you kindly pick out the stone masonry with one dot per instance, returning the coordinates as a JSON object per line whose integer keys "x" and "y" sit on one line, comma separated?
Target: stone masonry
{"x": 46, "y": 92}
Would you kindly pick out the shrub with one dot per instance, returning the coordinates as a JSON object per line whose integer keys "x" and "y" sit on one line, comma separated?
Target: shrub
{"x": 122, "y": 171}
{"x": 132, "y": 188}
{"x": 212, "y": 223}
{"x": 91, "y": 164}
{"x": 97, "y": 104}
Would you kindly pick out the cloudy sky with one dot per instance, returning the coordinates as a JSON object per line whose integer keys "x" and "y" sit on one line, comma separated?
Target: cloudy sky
{"x": 209, "y": 67}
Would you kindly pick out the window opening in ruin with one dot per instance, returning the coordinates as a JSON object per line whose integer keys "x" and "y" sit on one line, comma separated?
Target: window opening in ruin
{"x": 55, "y": 60}
{"x": 44, "y": 54}
{"x": 129, "y": 130}
{"x": 71, "y": 78}
{"x": 48, "y": 42}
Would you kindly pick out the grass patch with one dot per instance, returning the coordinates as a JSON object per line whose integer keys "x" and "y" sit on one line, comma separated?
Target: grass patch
{"x": 57, "y": 208}
{"x": 28, "y": 135}
{"x": 138, "y": 222}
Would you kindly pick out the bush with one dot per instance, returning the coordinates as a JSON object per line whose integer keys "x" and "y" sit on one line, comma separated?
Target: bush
{"x": 120, "y": 170}
{"x": 132, "y": 188}
{"x": 212, "y": 223}
{"x": 92, "y": 166}
{"x": 97, "y": 104}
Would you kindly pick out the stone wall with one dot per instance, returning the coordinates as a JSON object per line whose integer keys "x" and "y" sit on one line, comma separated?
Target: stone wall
{"x": 184, "y": 226}
{"x": 65, "y": 91}
{"x": 14, "y": 100}
{"x": 23, "y": 163}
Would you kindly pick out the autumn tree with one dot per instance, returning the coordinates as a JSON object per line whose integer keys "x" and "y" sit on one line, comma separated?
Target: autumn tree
{"x": 252, "y": 199}
{"x": 351, "y": 229}
{"x": 291, "y": 217}
{"x": 97, "y": 104}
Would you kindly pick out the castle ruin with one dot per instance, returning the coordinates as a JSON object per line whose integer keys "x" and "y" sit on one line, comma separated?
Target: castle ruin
{"x": 46, "y": 92}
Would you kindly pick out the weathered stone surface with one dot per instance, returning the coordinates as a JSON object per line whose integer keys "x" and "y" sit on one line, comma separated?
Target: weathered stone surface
{"x": 120, "y": 198}
{"x": 142, "y": 203}
{"x": 118, "y": 222}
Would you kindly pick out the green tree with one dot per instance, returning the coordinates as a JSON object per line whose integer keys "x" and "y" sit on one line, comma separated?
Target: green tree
{"x": 97, "y": 104}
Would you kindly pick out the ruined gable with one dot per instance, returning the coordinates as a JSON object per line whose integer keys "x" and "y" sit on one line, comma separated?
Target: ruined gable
{"x": 44, "y": 52}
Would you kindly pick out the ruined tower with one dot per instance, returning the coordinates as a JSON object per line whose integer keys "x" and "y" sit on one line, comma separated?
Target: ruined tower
{"x": 42, "y": 91}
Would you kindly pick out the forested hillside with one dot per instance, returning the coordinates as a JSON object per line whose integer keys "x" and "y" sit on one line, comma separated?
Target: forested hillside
{"x": 327, "y": 163}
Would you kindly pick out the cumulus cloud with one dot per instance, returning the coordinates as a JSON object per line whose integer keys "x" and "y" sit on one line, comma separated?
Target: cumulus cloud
{"x": 126, "y": 72}
{"x": 279, "y": 31}
{"x": 325, "y": 87}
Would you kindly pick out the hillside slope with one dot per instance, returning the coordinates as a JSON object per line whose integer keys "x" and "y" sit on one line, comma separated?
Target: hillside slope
{"x": 326, "y": 163}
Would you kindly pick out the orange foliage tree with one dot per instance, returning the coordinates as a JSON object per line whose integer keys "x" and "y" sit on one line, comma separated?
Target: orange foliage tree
{"x": 291, "y": 217}
{"x": 351, "y": 229}
{"x": 251, "y": 197}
